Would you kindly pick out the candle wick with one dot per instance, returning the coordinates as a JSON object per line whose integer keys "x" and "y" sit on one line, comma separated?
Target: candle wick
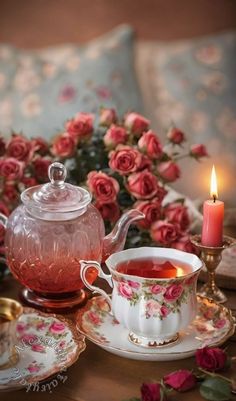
{"x": 214, "y": 198}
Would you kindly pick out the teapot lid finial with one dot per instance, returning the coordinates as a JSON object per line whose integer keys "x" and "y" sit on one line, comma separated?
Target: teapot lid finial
{"x": 57, "y": 173}
{"x": 57, "y": 198}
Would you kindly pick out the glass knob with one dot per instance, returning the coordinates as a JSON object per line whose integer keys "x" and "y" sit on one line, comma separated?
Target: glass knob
{"x": 57, "y": 173}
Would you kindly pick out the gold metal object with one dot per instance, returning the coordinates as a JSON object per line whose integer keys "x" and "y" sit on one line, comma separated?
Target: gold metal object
{"x": 212, "y": 256}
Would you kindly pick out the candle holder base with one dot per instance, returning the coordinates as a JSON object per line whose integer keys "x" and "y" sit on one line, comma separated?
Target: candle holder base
{"x": 212, "y": 256}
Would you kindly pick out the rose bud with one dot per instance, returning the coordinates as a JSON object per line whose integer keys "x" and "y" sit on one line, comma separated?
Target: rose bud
{"x": 2, "y": 146}
{"x": 109, "y": 211}
{"x": 142, "y": 185}
{"x": 107, "y": 117}
{"x": 80, "y": 126}
{"x": 20, "y": 148}
{"x": 11, "y": 169}
{"x": 103, "y": 187}
{"x": 40, "y": 146}
{"x": 151, "y": 392}
{"x": 198, "y": 151}
{"x": 177, "y": 214}
{"x": 114, "y": 136}
{"x": 184, "y": 244}
{"x": 181, "y": 380}
{"x": 136, "y": 123}
{"x": 125, "y": 159}
{"x": 169, "y": 171}
{"x": 212, "y": 359}
{"x": 176, "y": 136}
{"x": 64, "y": 145}
{"x": 151, "y": 209}
{"x": 164, "y": 233}
{"x": 150, "y": 144}
{"x": 41, "y": 165}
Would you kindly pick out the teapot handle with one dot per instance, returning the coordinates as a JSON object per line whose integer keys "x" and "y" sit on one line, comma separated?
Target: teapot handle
{"x": 3, "y": 220}
{"x": 84, "y": 266}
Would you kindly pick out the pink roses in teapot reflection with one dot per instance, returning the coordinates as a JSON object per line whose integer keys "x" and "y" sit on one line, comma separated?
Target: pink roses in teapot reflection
{"x": 122, "y": 161}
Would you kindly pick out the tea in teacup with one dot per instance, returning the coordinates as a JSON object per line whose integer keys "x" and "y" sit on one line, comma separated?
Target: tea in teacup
{"x": 153, "y": 267}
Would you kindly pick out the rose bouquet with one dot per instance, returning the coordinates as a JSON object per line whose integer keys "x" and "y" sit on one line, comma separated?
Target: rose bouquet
{"x": 123, "y": 164}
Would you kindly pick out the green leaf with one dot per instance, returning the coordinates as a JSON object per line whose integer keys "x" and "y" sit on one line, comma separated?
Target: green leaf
{"x": 215, "y": 389}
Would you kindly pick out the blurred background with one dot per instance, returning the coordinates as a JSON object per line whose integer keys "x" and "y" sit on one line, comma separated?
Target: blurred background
{"x": 174, "y": 61}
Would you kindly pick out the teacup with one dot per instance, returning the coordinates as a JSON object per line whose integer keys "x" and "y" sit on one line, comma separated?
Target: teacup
{"x": 154, "y": 310}
{"x": 10, "y": 311}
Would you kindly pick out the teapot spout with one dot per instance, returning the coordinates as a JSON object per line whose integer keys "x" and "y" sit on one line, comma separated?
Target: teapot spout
{"x": 115, "y": 241}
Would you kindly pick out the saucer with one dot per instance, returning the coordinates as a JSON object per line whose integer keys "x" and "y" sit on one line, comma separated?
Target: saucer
{"x": 47, "y": 344}
{"x": 213, "y": 325}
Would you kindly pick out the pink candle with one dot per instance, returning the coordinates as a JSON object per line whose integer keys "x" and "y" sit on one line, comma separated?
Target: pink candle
{"x": 213, "y": 215}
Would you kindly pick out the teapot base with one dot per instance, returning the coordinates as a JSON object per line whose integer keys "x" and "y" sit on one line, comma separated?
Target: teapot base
{"x": 58, "y": 303}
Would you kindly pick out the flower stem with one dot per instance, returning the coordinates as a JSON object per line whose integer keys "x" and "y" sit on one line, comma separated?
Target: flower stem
{"x": 215, "y": 375}
{"x": 177, "y": 158}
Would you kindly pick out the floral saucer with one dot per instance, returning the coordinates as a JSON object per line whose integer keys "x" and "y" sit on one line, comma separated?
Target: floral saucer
{"x": 213, "y": 325}
{"x": 47, "y": 344}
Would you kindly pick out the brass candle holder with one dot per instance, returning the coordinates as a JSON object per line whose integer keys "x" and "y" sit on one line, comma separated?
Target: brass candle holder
{"x": 212, "y": 256}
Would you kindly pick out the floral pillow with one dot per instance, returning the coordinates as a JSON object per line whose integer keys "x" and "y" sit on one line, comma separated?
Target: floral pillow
{"x": 192, "y": 84}
{"x": 41, "y": 89}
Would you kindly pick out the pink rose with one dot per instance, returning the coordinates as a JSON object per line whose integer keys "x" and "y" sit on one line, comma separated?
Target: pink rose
{"x": 173, "y": 292}
{"x": 150, "y": 144}
{"x": 41, "y": 166}
{"x": 29, "y": 181}
{"x": 164, "y": 311}
{"x": 169, "y": 171}
{"x": 125, "y": 290}
{"x": 152, "y": 308}
{"x": 94, "y": 318}
{"x": 103, "y": 187}
{"x": 33, "y": 368}
{"x": 175, "y": 136}
{"x": 212, "y": 359}
{"x": 29, "y": 339}
{"x": 10, "y": 193}
{"x": 20, "y": 327}
{"x": 20, "y": 148}
{"x": 220, "y": 323}
{"x": 57, "y": 327}
{"x": 2, "y": 146}
{"x": 110, "y": 211}
{"x": 152, "y": 210}
{"x": 177, "y": 214}
{"x": 164, "y": 233}
{"x": 80, "y": 126}
{"x": 156, "y": 289}
{"x": 136, "y": 123}
{"x": 125, "y": 159}
{"x": 152, "y": 392}
{"x": 38, "y": 348}
{"x": 114, "y": 136}
{"x": 40, "y": 146}
{"x": 184, "y": 244}
{"x": 11, "y": 168}
{"x": 107, "y": 117}
{"x": 181, "y": 380}
{"x": 64, "y": 145}
{"x": 142, "y": 185}
{"x": 134, "y": 284}
{"x": 198, "y": 151}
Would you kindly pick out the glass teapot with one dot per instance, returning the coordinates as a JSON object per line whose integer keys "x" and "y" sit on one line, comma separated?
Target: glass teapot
{"x": 50, "y": 232}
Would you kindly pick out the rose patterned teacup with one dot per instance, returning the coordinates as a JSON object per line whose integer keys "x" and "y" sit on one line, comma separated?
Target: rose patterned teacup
{"x": 10, "y": 311}
{"x": 154, "y": 310}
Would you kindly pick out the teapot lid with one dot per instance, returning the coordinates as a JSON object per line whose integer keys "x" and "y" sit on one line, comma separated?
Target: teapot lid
{"x": 56, "y": 200}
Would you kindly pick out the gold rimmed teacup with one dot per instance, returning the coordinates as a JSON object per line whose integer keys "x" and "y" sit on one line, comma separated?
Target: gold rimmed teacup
{"x": 10, "y": 311}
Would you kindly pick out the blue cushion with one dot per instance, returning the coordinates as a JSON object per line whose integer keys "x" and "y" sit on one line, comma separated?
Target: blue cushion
{"x": 192, "y": 83}
{"x": 41, "y": 89}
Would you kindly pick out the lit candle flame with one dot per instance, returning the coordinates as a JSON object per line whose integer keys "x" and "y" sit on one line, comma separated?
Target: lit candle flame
{"x": 214, "y": 192}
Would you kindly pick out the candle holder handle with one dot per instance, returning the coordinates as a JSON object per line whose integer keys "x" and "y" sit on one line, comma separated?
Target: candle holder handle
{"x": 211, "y": 256}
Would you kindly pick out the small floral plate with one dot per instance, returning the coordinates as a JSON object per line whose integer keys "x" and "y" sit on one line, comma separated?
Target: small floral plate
{"x": 213, "y": 325}
{"x": 47, "y": 344}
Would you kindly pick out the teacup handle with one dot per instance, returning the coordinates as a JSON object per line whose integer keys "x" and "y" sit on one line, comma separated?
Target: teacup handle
{"x": 84, "y": 266}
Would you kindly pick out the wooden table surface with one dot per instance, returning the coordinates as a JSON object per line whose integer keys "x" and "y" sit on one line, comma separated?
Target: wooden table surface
{"x": 101, "y": 376}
